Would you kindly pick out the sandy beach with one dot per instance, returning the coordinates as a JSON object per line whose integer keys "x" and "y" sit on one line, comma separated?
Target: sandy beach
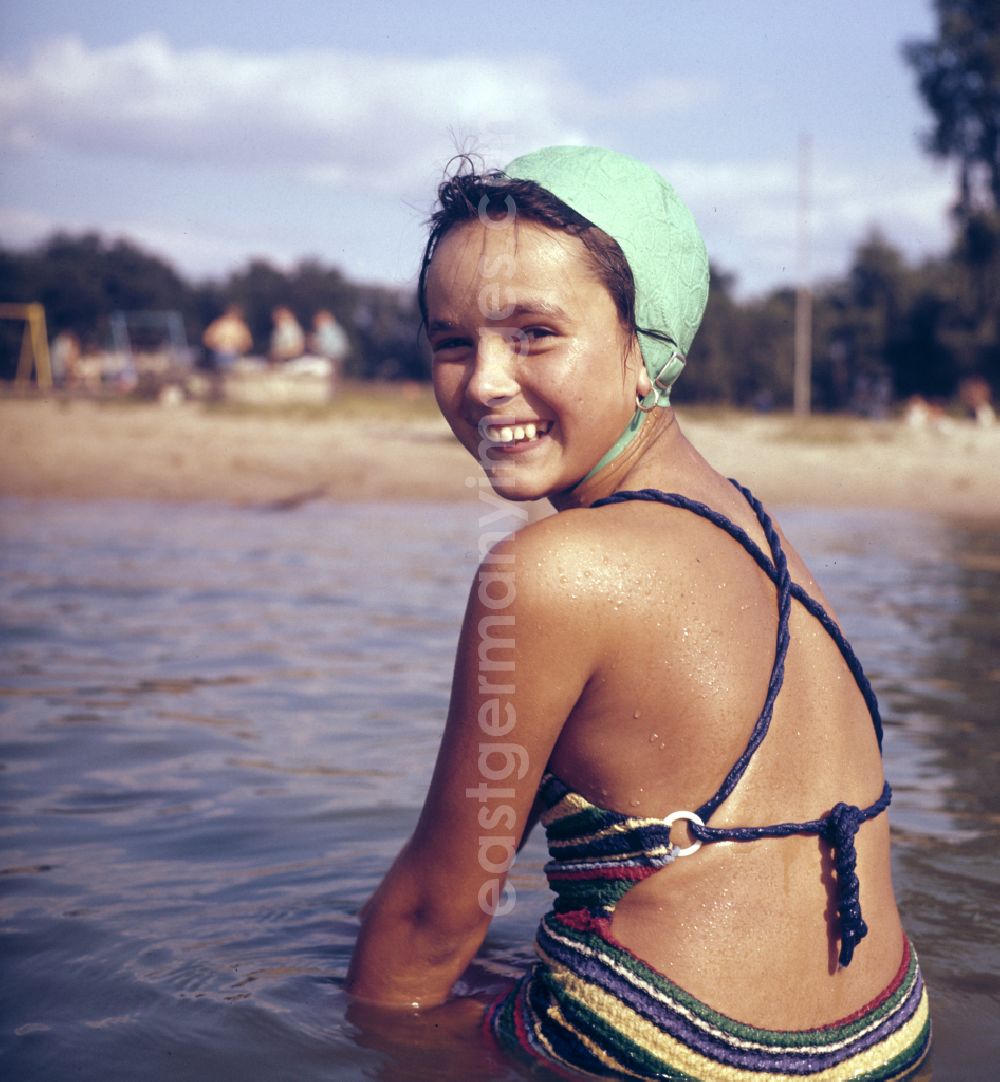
{"x": 388, "y": 443}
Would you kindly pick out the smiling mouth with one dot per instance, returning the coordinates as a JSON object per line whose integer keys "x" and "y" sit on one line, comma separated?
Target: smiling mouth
{"x": 515, "y": 433}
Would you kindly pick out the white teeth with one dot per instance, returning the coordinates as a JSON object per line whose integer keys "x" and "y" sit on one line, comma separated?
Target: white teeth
{"x": 512, "y": 433}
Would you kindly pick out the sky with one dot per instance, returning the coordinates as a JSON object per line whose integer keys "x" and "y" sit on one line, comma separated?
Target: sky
{"x": 210, "y": 133}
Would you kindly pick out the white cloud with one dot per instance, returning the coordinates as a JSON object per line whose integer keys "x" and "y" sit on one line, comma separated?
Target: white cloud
{"x": 332, "y": 115}
{"x": 19, "y": 227}
{"x": 288, "y": 127}
{"x": 748, "y": 211}
{"x": 211, "y": 254}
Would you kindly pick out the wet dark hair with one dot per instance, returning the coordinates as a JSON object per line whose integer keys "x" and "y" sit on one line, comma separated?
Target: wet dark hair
{"x": 469, "y": 196}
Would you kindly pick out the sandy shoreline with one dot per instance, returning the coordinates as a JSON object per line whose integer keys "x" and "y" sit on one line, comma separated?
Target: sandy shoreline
{"x": 89, "y": 450}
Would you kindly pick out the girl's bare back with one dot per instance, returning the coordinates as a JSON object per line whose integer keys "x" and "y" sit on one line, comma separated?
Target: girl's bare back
{"x": 687, "y": 623}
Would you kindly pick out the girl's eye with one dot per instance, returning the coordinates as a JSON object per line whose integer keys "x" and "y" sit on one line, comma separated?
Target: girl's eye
{"x": 535, "y": 333}
{"x": 446, "y": 344}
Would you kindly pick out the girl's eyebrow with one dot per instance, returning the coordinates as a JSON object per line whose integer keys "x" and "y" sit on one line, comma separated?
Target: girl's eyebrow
{"x": 526, "y": 310}
{"x": 538, "y": 308}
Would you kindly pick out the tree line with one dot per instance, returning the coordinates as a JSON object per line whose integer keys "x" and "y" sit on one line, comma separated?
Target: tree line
{"x": 888, "y": 326}
{"x": 82, "y": 280}
{"x": 888, "y": 329}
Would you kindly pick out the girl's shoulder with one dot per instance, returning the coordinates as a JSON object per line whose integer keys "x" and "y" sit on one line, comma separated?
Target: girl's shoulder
{"x": 587, "y": 553}
{"x": 621, "y": 527}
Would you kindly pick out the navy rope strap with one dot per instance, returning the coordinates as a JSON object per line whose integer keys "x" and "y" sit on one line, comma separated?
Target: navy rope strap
{"x": 839, "y": 827}
{"x": 810, "y": 604}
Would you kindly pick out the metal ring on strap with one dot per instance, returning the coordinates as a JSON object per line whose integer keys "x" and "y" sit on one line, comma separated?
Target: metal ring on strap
{"x": 672, "y": 366}
{"x": 659, "y": 393}
{"x": 691, "y": 817}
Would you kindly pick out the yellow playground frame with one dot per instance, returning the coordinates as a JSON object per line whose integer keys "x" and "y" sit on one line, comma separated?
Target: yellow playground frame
{"x": 34, "y": 345}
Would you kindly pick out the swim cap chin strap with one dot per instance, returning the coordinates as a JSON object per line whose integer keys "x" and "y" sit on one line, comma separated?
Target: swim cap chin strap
{"x": 658, "y": 396}
{"x": 635, "y": 206}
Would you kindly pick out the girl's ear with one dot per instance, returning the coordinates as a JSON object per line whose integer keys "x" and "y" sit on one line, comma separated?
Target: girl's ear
{"x": 643, "y": 384}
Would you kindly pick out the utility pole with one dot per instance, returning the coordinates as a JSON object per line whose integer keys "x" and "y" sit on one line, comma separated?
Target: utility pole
{"x": 802, "y": 375}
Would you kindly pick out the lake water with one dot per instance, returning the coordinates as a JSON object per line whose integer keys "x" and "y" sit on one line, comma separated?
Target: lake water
{"x": 217, "y": 728}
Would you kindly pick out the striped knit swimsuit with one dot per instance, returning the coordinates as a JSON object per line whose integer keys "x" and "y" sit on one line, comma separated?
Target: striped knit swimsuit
{"x": 591, "y": 1006}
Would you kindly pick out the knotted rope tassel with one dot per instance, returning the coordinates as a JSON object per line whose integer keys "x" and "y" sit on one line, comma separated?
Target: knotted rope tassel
{"x": 841, "y": 825}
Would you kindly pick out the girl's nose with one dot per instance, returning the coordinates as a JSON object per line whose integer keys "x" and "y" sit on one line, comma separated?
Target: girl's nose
{"x": 494, "y": 375}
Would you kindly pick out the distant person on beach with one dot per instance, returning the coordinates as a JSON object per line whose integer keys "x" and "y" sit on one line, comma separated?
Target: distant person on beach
{"x": 329, "y": 341}
{"x": 228, "y": 338}
{"x": 652, "y": 673}
{"x": 65, "y": 358}
{"x": 976, "y": 400}
{"x": 287, "y": 340}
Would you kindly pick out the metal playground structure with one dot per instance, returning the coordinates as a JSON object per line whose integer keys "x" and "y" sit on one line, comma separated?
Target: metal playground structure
{"x": 34, "y": 356}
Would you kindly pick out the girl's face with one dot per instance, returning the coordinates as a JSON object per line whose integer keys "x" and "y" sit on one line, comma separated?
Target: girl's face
{"x": 532, "y": 368}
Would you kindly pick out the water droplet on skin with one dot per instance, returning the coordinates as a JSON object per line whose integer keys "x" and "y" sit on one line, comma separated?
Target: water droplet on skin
{"x": 634, "y": 803}
{"x": 635, "y": 713}
{"x": 654, "y": 737}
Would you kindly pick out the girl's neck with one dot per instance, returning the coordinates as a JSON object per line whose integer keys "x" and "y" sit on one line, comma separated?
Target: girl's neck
{"x": 657, "y": 452}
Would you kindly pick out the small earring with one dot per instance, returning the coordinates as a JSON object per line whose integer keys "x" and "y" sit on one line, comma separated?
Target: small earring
{"x": 640, "y": 400}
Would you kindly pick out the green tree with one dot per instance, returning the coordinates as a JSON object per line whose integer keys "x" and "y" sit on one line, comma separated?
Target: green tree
{"x": 742, "y": 354}
{"x": 708, "y": 377}
{"x": 82, "y": 279}
{"x": 958, "y": 75}
{"x": 386, "y": 326}
{"x": 135, "y": 280}
{"x": 875, "y": 294}
{"x": 259, "y": 289}
{"x": 765, "y": 362}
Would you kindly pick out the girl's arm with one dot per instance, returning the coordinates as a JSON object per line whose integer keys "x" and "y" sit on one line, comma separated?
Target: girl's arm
{"x": 521, "y": 665}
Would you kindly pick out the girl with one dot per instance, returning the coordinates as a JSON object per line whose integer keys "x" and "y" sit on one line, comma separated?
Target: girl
{"x": 653, "y": 672}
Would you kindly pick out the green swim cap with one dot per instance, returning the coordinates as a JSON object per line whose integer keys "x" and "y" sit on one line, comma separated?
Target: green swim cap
{"x": 633, "y": 204}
